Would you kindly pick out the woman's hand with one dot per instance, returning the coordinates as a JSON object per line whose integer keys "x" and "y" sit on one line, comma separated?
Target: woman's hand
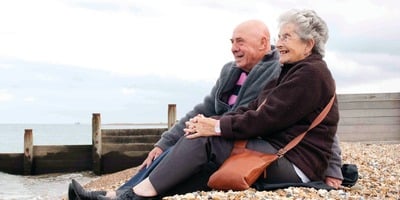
{"x": 200, "y": 126}
{"x": 333, "y": 182}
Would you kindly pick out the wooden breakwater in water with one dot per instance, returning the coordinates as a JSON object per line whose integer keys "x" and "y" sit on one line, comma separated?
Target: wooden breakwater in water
{"x": 111, "y": 150}
{"x": 42, "y": 159}
{"x": 369, "y": 118}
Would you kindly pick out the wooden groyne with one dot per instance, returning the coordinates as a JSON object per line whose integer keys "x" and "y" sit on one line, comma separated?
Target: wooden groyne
{"x": 111, "y": 150}
{"x": 43, "y": 159}
{"x": 368, "y": 118}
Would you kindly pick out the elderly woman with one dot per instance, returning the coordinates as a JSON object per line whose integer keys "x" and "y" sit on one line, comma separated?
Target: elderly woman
{"x": 302, "y": 90}
{"x": 294, "y": 99}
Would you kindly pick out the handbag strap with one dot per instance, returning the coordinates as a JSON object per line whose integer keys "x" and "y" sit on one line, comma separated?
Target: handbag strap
{"x": 316, "y": 121}
{"x": 241, "y": 144}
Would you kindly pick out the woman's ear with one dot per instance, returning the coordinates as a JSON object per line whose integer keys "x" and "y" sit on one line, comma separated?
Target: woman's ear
{"x": 309, "y": 46}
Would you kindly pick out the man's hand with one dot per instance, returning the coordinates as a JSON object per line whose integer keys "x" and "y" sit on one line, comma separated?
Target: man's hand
{"x": 153, "y": 154}
{"x": 333, "y": 182}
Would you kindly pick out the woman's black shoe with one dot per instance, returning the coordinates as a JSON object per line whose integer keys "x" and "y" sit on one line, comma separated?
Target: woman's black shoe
{"x": 82, "y": 194}
{"x": 128, "y": 195}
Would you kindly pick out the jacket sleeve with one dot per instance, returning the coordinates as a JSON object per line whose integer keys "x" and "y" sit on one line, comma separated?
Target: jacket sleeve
{"x": 335, "y": 162}
{"x": 207, "y": 108}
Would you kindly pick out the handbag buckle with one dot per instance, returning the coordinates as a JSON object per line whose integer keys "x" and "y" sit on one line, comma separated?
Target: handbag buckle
{"x": 281, "y": 152}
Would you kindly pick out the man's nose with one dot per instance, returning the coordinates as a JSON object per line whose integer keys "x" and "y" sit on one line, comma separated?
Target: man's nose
{"x": 234, "y": 47}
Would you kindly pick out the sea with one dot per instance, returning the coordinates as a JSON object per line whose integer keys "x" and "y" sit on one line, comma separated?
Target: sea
{"x": 47, "y": 186}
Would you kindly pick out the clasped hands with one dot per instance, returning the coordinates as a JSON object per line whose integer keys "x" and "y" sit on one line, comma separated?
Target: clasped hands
{"x": 200, "y": 126}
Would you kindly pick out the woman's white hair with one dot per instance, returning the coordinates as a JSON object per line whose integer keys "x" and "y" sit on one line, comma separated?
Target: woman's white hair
{"x": 309, "y": 26}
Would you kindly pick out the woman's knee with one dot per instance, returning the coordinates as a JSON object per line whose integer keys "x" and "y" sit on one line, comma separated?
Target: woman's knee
{"x": 282, "y": 171}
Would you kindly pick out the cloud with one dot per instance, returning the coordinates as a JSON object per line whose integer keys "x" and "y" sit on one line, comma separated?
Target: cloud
{"x": 29, "y": 99}
{"x": 151, "y": 37}
{"x": 115, "y": 41}
{"x": 5, "y": 95}
{"x": 357, "y": 73}
{"x": 374, "y": 28}
{"x": 5, "y": 66}
{"x": 388, "y": 85}
{"x": 73, "y": 93}
{"x": 157, "y": 41}
{"x": 128, "y": 91}
{"x": 72, "y": 58}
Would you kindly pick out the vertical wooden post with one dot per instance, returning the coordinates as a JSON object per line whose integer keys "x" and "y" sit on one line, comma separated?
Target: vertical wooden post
{"x": 171, "y": 115}
{"x": 28, "y": 151}
{"x": 96, "y": 143}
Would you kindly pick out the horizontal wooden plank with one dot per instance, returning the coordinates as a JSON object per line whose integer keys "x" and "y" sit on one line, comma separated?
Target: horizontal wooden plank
{"x": 12, "y": 163}
{"x": 384, "y": 104}
{"x": 131, "y": 139}
{"x": 87, "y": 155}
{"x": 359, "y": 129}
{"x": 351, "y": 137}
{"x": 368, "y": 121}
{"x": 369, "y": 133}
{"x": 368, "y": 96}
{"x": 43, "y": 150}
{"x": 117, "y": 161}
{"x": 370, "y": 113}
{"x": 126, "y": 147}
{"x": 6, "y": 156}
{"x": 127, "y": 132}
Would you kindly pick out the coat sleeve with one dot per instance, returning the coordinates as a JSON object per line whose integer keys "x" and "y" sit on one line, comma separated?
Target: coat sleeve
{"x": 335, "y": 162}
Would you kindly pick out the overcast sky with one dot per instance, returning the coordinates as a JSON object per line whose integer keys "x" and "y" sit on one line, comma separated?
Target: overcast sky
{"x": 62, "y": 60}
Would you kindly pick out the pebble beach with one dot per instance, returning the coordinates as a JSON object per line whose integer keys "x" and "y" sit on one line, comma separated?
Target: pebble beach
{"x": 379, "y": 178}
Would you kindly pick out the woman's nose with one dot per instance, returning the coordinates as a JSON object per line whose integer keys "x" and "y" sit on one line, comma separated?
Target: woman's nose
{"x": 278, "y": 43}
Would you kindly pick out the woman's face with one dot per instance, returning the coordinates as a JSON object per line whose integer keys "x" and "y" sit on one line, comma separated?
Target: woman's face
{"x": 291, "y": 47}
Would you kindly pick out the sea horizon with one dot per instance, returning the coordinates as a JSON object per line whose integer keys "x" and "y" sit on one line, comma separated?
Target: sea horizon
{"x": 12, "y": 134}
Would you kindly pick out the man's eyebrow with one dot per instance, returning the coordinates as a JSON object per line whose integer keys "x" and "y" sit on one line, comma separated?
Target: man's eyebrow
{"x": 237, "y": 39}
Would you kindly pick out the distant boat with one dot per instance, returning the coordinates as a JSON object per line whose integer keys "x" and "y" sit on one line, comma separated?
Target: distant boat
{"x": 77, "y": 123}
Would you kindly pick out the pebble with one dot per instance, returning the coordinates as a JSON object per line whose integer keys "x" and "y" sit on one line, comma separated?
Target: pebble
{"x": 379, "y": 178}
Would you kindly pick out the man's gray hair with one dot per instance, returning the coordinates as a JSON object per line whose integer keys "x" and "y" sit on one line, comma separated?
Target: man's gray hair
{"x": 309, "y": 26}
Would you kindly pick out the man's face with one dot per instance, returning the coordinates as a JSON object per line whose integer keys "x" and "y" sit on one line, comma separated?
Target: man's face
{"x": 245, "y": 49}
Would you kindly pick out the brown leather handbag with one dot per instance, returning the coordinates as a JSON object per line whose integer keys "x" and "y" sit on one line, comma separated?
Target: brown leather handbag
{"x": 244, "y": 166}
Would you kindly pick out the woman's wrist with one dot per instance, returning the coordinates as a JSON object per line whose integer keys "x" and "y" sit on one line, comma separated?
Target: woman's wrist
{"x": 217, "y": 129}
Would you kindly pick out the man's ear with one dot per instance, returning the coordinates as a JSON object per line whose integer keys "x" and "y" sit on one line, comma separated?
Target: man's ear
{"x": 264, "y": 43}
